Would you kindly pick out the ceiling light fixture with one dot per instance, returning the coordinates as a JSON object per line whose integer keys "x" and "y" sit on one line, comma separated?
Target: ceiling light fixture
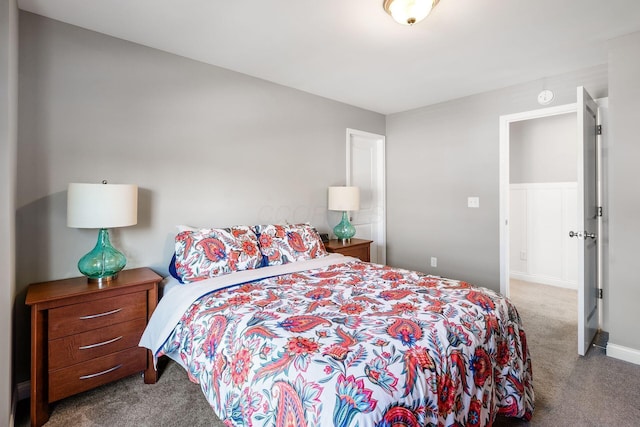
{"x": 409, "y": 12}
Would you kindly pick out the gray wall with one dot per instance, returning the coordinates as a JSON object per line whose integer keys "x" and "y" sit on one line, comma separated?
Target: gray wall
{"x": 206, "y": 146}
{"x": 8, "y": 142}
{"x": 439, "y": 155}
{"x": 624, "y": 197}
{"x": 209, "y": 146}
{"x": 544, "y": 150}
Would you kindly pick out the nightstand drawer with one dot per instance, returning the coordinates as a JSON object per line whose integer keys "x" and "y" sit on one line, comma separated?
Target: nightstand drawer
{"x": 93, "y": 373}
{"x": 77, "y": 318}
{"x": 357, "y": 248}
{"x": 77, "y": 348}
{"x": 360, "y": 252}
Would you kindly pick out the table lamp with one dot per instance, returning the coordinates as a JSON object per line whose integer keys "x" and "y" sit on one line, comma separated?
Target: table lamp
{"x": 344, "y": 199}
{"x": 102, "y": 206}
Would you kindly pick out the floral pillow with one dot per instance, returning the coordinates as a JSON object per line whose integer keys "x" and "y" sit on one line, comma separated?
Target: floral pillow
{"x": 282, "y": 244}
{"x": 204, "y": 253}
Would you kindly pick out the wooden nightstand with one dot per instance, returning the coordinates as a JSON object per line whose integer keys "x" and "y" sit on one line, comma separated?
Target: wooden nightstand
{"x": 358, "y": 248}
{"x": 83, "y": 335}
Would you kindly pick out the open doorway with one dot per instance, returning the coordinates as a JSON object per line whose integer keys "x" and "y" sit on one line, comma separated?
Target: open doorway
{"x": 506, "y": 123}
{"x": 543, "y": 273}
{"x": 589, "y": 197}
{"x": 543, "y": 200}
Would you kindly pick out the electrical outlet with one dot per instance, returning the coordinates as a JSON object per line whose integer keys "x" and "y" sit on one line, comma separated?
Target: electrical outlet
{"x": 434, "y": 261}
{"x": 473, "y": 202}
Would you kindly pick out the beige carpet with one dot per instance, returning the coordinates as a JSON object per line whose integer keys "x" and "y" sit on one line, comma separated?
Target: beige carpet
{"x": 570, "y": 390}
{"x": 173, "y": 401}
{"x": 594, "y": 390}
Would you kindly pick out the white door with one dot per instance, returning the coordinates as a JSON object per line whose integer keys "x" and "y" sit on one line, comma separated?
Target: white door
{"x": 366, "y": 170}
{"x": 587, "y": 221}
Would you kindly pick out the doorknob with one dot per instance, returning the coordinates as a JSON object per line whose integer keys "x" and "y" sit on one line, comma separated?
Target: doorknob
{"x": 580, "y": 234}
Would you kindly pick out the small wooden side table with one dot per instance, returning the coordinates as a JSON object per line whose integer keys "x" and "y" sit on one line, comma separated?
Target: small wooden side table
{"x": 358, "y": 248}
{"x": 84, "y": 335}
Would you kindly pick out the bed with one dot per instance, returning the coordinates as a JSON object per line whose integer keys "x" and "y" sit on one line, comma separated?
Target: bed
{"x": 326, "y": 340}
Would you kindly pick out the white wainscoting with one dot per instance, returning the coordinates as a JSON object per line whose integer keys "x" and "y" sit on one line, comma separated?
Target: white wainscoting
{"x": 541, "y": 216}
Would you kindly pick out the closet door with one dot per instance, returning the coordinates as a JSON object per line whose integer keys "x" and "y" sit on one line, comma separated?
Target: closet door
{"x": 366, "y": 170}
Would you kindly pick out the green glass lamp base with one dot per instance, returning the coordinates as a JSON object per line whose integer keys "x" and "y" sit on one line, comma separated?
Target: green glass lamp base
{"x": 103, "y": 263}
{"x": 344, "y": 230}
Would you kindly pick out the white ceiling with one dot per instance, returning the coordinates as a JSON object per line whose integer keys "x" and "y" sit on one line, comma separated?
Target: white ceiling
{"x": 352, "y": 51}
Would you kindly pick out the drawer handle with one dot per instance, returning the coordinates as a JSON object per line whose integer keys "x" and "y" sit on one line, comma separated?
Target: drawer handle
{"x": 93, "y": 316}
{"x": 86, "y": 347}
{"x": 97, "y": 374}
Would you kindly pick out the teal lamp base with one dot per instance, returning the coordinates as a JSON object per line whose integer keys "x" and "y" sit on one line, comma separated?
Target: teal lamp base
{"x": 344, "y": 230}
{"x": 103, "y": 263}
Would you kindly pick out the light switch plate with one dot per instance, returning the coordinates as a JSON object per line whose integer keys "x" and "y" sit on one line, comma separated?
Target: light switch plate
{"x": 473, "y": 202}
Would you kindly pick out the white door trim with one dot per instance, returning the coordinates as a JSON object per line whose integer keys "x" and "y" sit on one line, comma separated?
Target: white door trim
{"x": 505, "y": 122}
{"x": 381, "y": 235}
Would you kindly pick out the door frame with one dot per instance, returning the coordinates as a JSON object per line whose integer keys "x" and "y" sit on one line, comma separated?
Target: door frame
{"x": 381, "y": 235}
{"x": 505, "y": 122}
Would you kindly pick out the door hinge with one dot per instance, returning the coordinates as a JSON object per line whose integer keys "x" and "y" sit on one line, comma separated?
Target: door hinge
{"x": 599, "y": 210}
{"x": 599, "y": 130}
{"x": 600, "y": 293}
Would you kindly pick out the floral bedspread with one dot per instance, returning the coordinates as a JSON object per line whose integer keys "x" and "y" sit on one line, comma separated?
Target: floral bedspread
{"x": 356, "y": 344}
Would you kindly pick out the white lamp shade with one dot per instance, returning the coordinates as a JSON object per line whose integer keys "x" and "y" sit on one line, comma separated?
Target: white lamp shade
{"x": 344, "y": 198}
{"x": 409, "y": 12}
{"x": 102, "y": 205}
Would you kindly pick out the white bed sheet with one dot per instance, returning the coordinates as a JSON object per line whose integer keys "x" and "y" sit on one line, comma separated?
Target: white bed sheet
{"x": 168, "y": 284}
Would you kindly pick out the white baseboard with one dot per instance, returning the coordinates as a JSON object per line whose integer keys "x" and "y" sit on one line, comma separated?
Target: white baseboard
{"x": 23, "y": 390}
{"x": 543, "y": 280}
{"x": 627, "y": 354}
{"x": 12, "y": 417}
{"x": 14, "y": 405}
